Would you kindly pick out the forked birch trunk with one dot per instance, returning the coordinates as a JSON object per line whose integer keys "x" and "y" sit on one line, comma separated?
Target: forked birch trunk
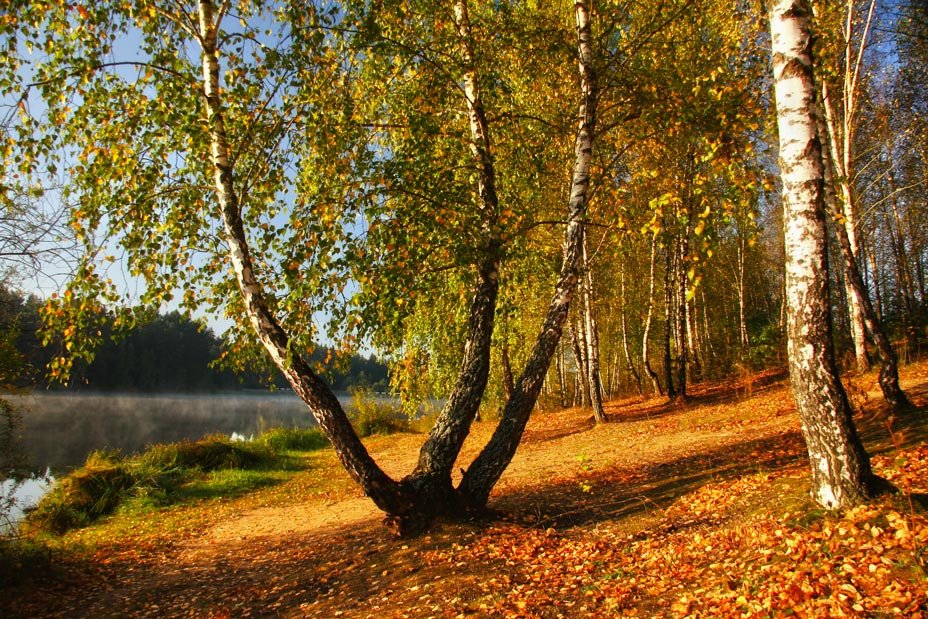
{"x": 841, "y": 474}
{"x": 486, "y": 470}
{"x": 432, "y": 475}
{"x": 426, "y": 493}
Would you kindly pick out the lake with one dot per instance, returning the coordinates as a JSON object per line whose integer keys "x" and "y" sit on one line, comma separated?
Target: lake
{"x": 59, "y": 430}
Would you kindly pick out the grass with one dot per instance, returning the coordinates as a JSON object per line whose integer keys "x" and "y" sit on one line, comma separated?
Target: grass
{"x": 281, "y": 440}
{"x": 169, "y": 474}
{"x": 179, "y": 473}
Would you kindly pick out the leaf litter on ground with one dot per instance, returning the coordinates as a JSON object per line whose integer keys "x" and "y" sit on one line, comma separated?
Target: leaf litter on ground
{"x": 698, "y": 510}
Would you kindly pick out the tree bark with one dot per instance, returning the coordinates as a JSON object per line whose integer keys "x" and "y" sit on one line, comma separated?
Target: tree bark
{"x": 561, "y": 376}
{"x": 384, "y": 491}
{"x": 645, "y": 353}
{"x": 859, "y": 298}
{"x": 581, "y": 384}
{"x": 487, "y": 468}
{"x": 506, "y": 368}
{"x": 840, "y": 140}
{"x": 680, "y": 336}
{"x": 431, "y": 479}
{"x": 669, "y": 322}
{"x": 744, "y": 337}
{"x": 629, "y": 364}
{"x": 841, "y": 474}
{"x": 889, "y": 364}
{"x": 877, "y": 279}
{"x": 594, "y": 382}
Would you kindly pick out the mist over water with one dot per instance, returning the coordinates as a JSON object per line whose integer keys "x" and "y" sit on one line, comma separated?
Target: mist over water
{"x": 59, "y": 430}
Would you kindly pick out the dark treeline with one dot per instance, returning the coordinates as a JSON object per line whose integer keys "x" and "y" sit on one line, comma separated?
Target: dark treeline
{"x": 168, "y": 353}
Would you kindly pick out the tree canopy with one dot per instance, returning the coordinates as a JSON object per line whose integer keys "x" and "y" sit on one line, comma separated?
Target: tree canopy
{"x": 434, "y": 178}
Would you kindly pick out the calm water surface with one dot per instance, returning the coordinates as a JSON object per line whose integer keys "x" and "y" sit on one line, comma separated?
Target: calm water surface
{"x": 59, "y": 430}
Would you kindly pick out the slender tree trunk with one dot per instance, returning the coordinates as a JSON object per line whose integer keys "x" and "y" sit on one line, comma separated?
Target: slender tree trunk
{"x": 645, "y": 356}
{"x": 859, "y": 305}
{"x": 841, "y": 474}
{"x": 680, "y": 325}
{"x": 692, "y": 344}
{"x": 561, "y": 376}
{"x": 506, "y": 368}
{"x": 745, "y": 339}
{"x": 841, "y": 143}
{"x": 582, "y": 387}
{"x": 843, "y": 211}
{"x": 905, "y": 281}
{"x": 877, "y": 278}
{"x": 848, "y": 215}
{"x": 705, "y": 323}
{"x": 629, "y": 364}
{"x": 668, "y": 322}
{"x": 889, "y": 365}
{"x": 594, "y": 381}
{"x": 486, "y": 470}
{"x": 614, "y": 376}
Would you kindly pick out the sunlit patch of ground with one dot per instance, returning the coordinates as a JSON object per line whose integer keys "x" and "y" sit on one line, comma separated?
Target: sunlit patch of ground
{"x": 672, "y": 510}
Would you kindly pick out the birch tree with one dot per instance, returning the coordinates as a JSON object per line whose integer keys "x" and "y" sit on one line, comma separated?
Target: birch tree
{"x": 839, "y": 111}
{"x": 841, "y": 474}
{"x": 182, "y": 154}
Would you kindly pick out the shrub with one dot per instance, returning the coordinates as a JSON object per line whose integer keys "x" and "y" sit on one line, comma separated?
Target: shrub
{"x": 373, "y": 416}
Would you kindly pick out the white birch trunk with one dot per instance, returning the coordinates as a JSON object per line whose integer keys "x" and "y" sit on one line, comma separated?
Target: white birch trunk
{"x": 841, "y": 474}
{"x": 649, "y": 318}
{"x": 594, "y": 382}
{"x": 841, "y": 131}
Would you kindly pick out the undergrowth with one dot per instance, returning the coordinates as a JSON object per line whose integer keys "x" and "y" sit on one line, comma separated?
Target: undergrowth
{"x": 167, "y": 474}
{"x": 374, "y": 416}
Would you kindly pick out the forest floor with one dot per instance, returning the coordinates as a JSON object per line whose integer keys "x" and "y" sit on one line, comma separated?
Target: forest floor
{"x": 672, "y": 510}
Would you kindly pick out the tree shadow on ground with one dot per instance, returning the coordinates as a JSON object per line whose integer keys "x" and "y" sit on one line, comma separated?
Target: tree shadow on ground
{"x": 700, "y": 394}
{"x": 614, "y": 493}
{"x": 361, "y": 570}
{"x": 884, "y": 431}
{"x": 575, "y": 426}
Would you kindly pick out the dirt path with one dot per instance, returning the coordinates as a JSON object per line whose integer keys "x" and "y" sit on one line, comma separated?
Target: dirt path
{"x": 330, "y": 556}
{"x": 554, "y": 446}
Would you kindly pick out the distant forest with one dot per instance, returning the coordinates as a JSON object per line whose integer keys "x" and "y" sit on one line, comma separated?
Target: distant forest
{"x": 169, "y": 353}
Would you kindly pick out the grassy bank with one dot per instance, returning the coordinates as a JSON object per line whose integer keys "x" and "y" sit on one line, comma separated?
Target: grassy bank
{"x": 171, "y": 489}
{"x": 169, "y": 474}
